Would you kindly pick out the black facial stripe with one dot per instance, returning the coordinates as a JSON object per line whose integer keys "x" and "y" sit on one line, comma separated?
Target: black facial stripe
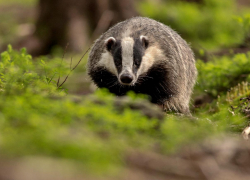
{"x": 117, "y": 55}
{"x": 103, "y": 78}
{"x": 138, "y": 52}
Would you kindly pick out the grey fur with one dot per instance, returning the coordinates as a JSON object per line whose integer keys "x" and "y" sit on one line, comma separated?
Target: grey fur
{"x": 177, "y": 57}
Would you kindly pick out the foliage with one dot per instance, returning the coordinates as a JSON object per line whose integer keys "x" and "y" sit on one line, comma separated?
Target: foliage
{"x": 207, "y": 25}
{"x": 38, "y": 119}
{"x": 220, "y": 74}
{"x": 237, "y": 92}
{"x": 245, "y": 25}
{"x": 239, "y": 98}
{"x": 20, "y": 75}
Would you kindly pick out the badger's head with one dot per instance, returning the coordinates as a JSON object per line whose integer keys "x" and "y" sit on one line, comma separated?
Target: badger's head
{"x": 135, "y": 64}
{"x": 126, "y": 58}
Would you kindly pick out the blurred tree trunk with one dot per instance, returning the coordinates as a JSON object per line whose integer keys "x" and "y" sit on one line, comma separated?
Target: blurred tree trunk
{"x": 75, "y": 22}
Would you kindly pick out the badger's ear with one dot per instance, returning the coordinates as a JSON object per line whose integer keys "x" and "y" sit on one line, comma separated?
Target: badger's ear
{"x": 110, "y": 43}
{"x": 144, "y": 41}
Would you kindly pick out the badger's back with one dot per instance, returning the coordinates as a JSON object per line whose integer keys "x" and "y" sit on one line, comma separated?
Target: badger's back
{"x": 167, "y": 69}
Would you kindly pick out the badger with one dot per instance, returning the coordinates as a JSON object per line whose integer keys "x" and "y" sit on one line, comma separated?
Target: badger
{"x": 145, "y": 56}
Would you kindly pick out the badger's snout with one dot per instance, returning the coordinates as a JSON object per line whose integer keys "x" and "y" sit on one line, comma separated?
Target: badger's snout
{"x": 126, "y": 78}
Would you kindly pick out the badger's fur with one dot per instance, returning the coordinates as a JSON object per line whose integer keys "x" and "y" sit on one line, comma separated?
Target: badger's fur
{"x": 145, "y": 56}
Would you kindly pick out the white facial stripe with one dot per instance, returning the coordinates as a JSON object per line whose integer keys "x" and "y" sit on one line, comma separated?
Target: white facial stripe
{"x": 108, "y": 62}
{"x": 127, "y": 54}
{"x": 151, "y": 54}
{"x": 127, "y": 32}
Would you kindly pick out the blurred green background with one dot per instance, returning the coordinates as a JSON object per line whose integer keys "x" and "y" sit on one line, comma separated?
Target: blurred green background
{"x": 72, "y": 131}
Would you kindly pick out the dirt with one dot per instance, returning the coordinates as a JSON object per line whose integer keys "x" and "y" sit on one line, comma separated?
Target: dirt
{"x": 225, "y": 158}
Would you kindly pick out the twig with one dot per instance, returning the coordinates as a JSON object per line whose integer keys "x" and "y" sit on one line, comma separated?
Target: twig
{"x": 45, "y": 73}
{"x": 80, "y": 59}
{"x": 61, "y": 63}
{"x": 70, "y": 63}
{"x": 52, "y": 78}
{"x": 73, "y": 68}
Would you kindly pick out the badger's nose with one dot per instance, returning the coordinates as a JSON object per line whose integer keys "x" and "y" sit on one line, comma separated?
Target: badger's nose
{"x": 126, "y": 78}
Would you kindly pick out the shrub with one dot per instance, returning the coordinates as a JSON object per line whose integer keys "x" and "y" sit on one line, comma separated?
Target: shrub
{"x": 207, "y": 25}
{"x": 38, "y": 119}
{"x": 220, "y": 74}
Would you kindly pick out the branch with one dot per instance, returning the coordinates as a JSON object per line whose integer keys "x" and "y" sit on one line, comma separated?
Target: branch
{"x": 73, "y": 68}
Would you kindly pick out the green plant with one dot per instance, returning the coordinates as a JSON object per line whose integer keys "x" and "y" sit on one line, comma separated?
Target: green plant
{"x": 207, "y": 25}
{"x": 39, "y": 119}
{"x": 244, "y": 22}
{"x": 220, "y": 74}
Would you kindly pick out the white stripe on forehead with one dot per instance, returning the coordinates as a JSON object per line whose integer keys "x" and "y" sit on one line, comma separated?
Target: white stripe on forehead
{"x": 127, "y": 44}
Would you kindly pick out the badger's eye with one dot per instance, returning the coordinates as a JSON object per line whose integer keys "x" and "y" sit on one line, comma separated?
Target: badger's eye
{"x": 118, "y": 60}
{"x": 136, "y": 62}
